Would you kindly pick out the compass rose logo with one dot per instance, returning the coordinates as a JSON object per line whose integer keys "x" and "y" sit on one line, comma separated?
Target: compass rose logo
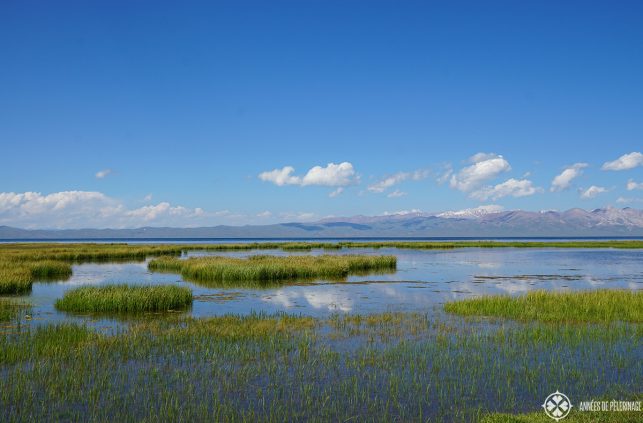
{"x": 557, "y": 405}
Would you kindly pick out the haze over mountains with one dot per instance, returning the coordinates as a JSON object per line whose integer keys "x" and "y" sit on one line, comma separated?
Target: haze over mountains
{"x": 486, "y": 221}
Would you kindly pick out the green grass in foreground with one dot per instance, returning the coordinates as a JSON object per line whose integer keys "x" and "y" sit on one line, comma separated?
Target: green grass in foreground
{"x": 8, "y": 309}
{"x": 263, "y": 269}
{"x": 547, "y": 306}
{"x": 574, "y": 416}
{"x": 125, "y": 299}
{"x": 389, "y": 367}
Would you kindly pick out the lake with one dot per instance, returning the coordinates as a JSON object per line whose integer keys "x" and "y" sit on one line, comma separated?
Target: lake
{"x": 424, "y": 280}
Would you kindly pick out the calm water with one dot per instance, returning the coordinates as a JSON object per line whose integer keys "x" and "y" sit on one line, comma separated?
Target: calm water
{"x": 423, "y": 281}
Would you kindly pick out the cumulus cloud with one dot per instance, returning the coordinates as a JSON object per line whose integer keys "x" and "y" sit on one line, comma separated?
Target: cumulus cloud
{"x": 592, "y": 192}
{"x": 631, "y": 185}
{"x": 625, "y": 162}
{"x": 280, "y": 177}
{"x": 332, "y": 175}
{"x": 563, "y": 181}
{"x": 82, "y": 209}
{"x": 389, "y": 181}
{"x": 103, "y": 173}
{"x": 510, "y": 188}
{"x": 485, "y": 166}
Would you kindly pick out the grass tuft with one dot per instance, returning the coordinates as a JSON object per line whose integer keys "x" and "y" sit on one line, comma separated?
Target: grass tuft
{"x": 599, "y": 306}
{"x": 263, "y": 270}
{"x": 125, "y": 299}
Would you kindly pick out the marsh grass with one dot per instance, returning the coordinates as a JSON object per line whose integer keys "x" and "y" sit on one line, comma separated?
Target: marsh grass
{"x": 580, "y": 306}
{"x": 17, "y": 277}
{"x": 574, "y": 416}
{"x": 22, "y": 263}
{"x": 262, "y": 269}
{"x": 125, "y": 299}
{"x": 9, "y": 309}
{"x": 388, "y": 367}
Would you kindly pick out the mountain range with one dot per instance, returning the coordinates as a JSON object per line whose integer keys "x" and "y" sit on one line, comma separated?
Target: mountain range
{"x": 488, "y": 221}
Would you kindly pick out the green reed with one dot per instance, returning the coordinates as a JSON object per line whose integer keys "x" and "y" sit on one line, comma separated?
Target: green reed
{"x": 265, "y": 269}
{"x": 125, "y": 299}
{"x": 579, "y": 306}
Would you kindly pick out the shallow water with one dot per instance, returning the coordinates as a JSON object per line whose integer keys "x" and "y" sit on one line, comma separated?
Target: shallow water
{"x": 424, "y": 280}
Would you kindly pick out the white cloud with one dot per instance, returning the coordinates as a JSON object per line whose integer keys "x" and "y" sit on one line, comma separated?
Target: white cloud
{"x": 396, "y": 194}
{"x": 384, "y": 184}
{"x": 631, "y": 185}
{"x": 337, "y": 192}
{"x": 332, "y": 175}
{"x": 446, "y": 174}
{"x": 511, "y": 187}
{"x": 562, "y": 181}
{"x": 264, "y": 214}
{"x": 625, "y": 200}
{"x": 298, "y": 216}
{"x": 281, "y": 176}
{"x": 592, "y": 192}
{"x": 626, "y": 161}
{"x": 83, "y": 209}
{"x": 485, "y": 166}
{"x": 103, "y": 173}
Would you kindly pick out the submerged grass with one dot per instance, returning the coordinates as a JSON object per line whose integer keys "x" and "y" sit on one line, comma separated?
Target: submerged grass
{"x": 389, "y": 367}
{"x": 9, "y": 309}
{"x": 125, "y": 299}
{"x": 546, "y": 306}
{"x": 262, "y": 269}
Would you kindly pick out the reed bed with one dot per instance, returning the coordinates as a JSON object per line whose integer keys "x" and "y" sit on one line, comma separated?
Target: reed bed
{"x": 85, "y": 252}
{"x": 125, "y": 299}
{"x": 18, "y": 277}
{"x": 22, "y": 263}
{"x": 263, "y": 269}
{"x": 546, "y": 306}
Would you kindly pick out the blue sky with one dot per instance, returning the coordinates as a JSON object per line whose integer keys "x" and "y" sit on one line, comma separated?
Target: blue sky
{"x": 186, "y": 105}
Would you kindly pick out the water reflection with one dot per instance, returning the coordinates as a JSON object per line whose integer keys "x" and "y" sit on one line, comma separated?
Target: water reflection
{"x": 424, "y": 280}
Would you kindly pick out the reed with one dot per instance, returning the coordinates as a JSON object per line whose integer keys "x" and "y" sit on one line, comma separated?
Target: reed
{"x": 125, "y": 299}
{"x": 14, "y": 280}
{"x": 263, "y": 269}
{"x": 547, "y": 306}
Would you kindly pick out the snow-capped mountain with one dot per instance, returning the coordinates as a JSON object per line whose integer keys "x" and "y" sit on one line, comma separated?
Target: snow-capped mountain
{"x": 488, "y": 221}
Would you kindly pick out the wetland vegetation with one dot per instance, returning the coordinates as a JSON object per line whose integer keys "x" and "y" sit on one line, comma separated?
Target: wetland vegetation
{"x": 588, "y": 306}
{"x": 392, "y": 366}
{"x": 386, "y": 367}
{"x": 262, "y": 269}
{"x": 125, "y": 299}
